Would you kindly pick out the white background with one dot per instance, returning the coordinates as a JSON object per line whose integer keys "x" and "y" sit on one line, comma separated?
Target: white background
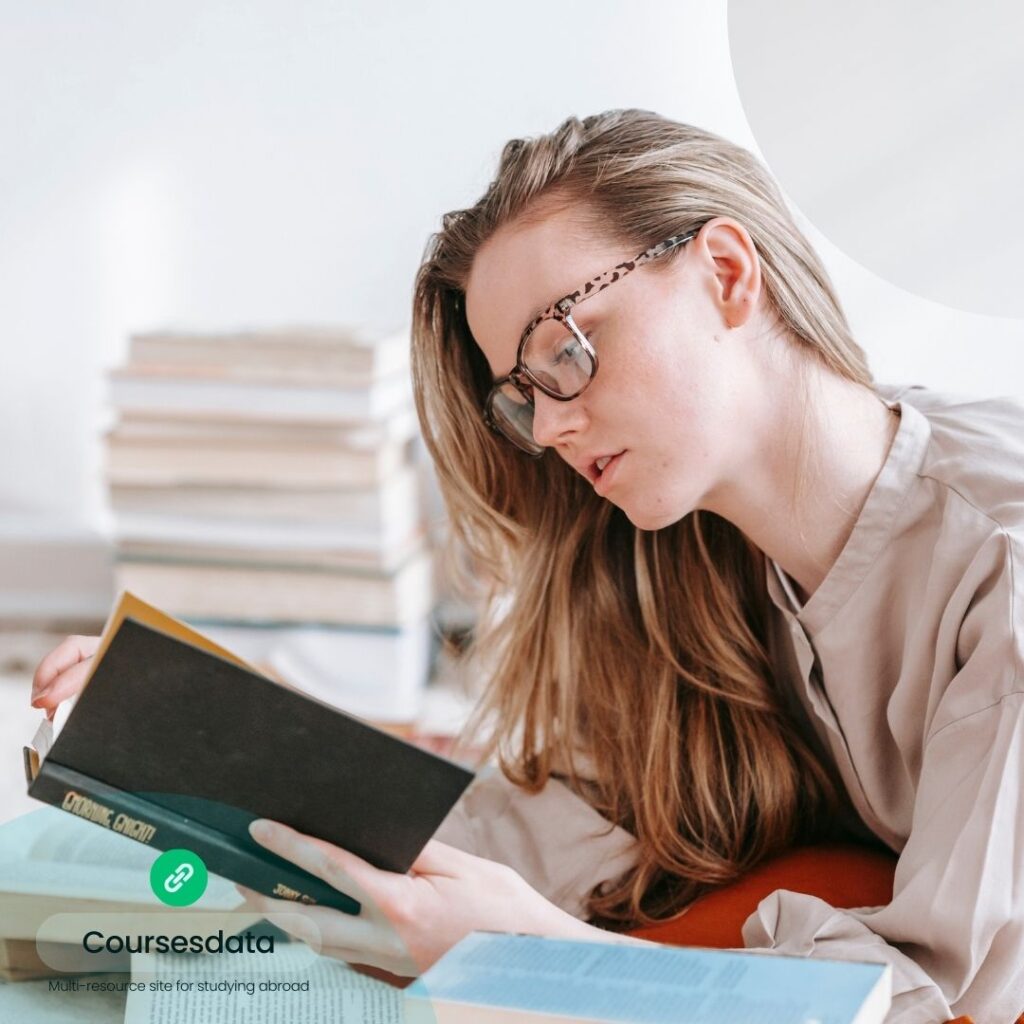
{"x": 216, "y": 165}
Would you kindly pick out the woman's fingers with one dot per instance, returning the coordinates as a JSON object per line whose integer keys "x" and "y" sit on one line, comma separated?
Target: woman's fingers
{"x": 66, "y": 655}
{"x": 67, "y": 684}
{"x": 437, "y": 858}
{"x": 68, "y": 652}
{"x": 284, "y": 917}
{"x": 317, "y": 926}
{"x": 345, "y": 871}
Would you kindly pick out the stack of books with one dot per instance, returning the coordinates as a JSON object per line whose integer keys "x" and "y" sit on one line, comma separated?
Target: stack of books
{"x": 265, "y": 486}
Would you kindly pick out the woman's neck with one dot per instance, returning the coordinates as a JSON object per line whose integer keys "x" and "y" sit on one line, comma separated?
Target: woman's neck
{"x": 799, "y": 487}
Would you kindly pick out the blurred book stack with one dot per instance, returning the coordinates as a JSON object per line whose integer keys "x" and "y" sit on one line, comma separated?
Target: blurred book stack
{"x": 265, "y": 486}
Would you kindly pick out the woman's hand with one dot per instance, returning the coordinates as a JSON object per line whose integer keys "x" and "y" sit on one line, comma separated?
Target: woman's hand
{"x": 61, "y": 674}
{"x": 407, "y": 921}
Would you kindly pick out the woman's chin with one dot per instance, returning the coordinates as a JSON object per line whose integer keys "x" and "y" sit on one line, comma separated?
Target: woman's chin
{"x": 654, "y": 519}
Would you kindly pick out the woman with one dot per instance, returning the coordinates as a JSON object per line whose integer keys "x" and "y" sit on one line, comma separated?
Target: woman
{"x": 747, "y": 590}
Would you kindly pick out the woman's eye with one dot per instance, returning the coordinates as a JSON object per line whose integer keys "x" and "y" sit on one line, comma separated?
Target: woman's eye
{"x": 568, "y": 353}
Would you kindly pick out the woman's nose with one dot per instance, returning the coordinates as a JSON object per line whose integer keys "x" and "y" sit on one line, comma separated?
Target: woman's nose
{"x": 553, "y": 420}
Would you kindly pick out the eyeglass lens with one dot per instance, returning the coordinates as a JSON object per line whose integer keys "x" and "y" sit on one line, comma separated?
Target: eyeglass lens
{"x": 512, "y": 413}
{"x": 555, "y": 357}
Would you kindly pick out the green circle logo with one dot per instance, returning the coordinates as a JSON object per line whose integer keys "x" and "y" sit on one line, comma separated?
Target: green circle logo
{"x": 178, "y": 877}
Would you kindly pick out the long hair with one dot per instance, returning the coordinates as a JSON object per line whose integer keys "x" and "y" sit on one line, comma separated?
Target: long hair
{"x": 642, "y": 652}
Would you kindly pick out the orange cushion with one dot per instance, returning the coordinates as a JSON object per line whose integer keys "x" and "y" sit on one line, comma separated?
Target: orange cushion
{"x": 842, "y": 875}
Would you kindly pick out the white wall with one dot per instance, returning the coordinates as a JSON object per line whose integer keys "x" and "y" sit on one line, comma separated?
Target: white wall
{"x": 212, "y": 164}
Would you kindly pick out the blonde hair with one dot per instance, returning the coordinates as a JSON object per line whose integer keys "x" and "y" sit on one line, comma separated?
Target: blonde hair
{"x": 645, "y": 652}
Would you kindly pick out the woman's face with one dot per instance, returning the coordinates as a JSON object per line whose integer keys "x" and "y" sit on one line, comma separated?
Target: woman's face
{"x": 675, "y": 395}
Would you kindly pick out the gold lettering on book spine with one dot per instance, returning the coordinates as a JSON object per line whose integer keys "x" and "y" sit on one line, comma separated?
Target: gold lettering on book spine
{"x": 141, "y": 831}
{"x": 84, "y": 807}
{"x": 288, "y": 893}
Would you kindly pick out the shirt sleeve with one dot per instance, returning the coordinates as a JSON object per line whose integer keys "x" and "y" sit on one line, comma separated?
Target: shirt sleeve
{"x": 559, "y": 844}
{"x": 954, "y": 931}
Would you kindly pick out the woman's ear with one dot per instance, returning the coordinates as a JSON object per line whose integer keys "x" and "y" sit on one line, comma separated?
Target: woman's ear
{"x": 734, "y": 277}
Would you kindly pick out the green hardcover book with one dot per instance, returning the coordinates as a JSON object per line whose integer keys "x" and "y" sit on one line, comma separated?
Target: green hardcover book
{"x": 176, "y": 743}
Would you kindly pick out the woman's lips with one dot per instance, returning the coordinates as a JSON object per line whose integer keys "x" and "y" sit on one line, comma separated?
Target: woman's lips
{"x": 605, "y": 478}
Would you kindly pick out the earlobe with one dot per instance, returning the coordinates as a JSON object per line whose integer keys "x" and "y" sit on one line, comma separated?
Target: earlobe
{"x": 737, "y": 305}
{"x": 745, "y": 307}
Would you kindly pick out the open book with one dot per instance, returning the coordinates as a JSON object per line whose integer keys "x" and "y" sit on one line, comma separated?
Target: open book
{"x": 493, "y": 978}
{"x": 57, "y": 870}
{"x": 292, "y": 984}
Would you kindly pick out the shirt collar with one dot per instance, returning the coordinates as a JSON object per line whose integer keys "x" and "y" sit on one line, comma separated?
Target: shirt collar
{"x": 871, "y": 532}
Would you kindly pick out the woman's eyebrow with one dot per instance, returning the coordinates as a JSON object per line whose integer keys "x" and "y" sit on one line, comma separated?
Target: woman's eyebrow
{"x": 541, "y": 309}
{"x": 586, "y": 315}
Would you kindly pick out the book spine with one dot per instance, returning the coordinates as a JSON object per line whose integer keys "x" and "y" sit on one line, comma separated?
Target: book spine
{"x": 157, "y": 826}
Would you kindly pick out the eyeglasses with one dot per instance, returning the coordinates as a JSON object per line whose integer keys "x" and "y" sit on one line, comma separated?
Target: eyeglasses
{"x": 555, "y": 356}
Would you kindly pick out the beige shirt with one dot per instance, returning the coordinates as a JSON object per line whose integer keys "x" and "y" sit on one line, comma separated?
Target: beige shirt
{"x": 905, "y": 666}
{"x": 909, "y": 668}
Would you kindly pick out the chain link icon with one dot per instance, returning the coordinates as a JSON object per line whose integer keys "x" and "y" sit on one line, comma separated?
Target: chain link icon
{"x": 174, "y": 881}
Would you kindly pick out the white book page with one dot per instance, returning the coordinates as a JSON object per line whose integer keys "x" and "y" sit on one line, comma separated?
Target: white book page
{"x": 225, "y": 989}
{"x": 50, "y": 851}
{"x": 49, "y": 728}
{"x": 62, "y": 838}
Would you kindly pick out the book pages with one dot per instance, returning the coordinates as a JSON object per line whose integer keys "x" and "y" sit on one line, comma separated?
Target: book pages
{"x": 238, "y": 989}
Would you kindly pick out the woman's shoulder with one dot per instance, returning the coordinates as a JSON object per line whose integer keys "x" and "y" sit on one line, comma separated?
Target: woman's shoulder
{"x": 974, "y": 451}
{"x": 963, "y": 527}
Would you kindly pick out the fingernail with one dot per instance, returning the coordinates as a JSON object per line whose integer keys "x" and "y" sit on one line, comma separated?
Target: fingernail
{"x": 261, "y": 829}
